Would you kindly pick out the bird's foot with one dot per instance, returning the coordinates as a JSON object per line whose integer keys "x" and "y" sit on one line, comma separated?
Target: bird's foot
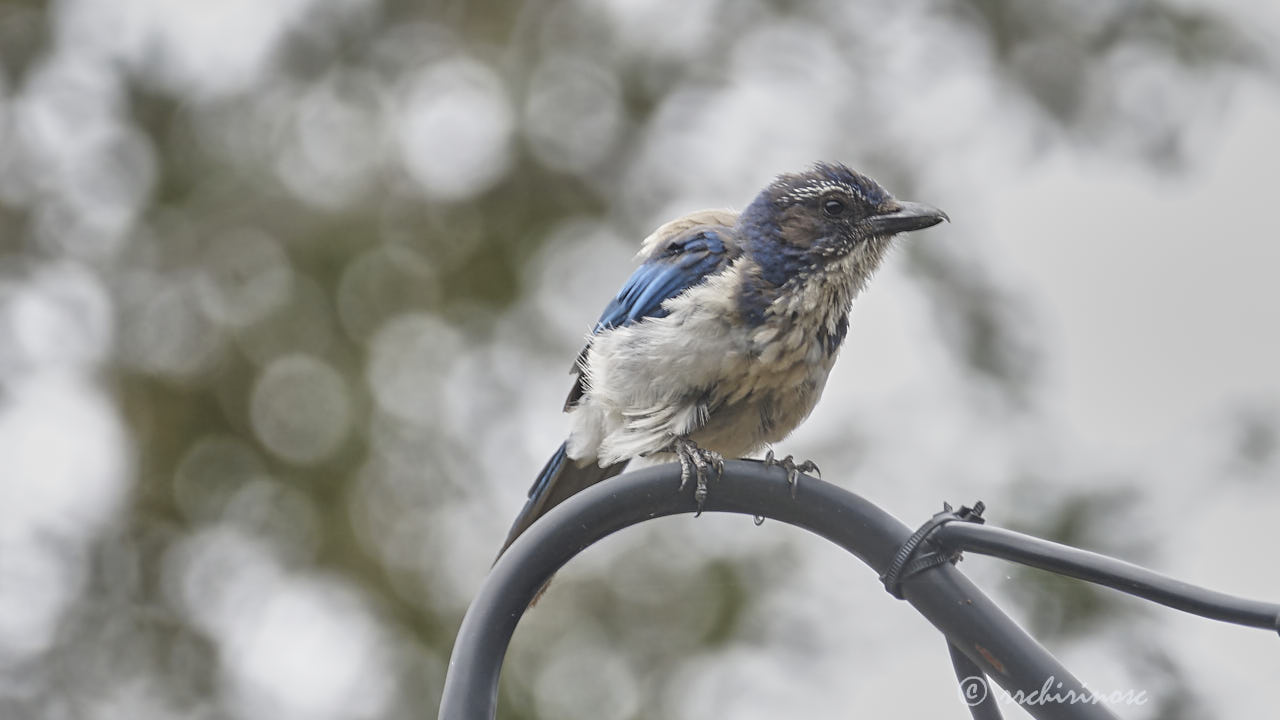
{"x": 788, "y": 463}
{"x": 698, "y": 464}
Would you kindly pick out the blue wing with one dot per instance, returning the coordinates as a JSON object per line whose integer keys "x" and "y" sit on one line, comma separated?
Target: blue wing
{"x": 683, "y": 262}
{"x": 681, "y": 254}
{"x": 678, "y": 259}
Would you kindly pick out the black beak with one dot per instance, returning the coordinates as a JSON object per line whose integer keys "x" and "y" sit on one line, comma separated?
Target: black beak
{"x": 903, "y": 217}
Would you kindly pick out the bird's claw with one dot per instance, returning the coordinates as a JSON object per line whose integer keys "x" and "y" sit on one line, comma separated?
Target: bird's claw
{"x": 788, "y": 463}
{"x": 697, "y": 463}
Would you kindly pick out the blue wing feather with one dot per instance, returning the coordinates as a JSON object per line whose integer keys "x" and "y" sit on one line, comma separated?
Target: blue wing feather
{"x": 683, "y": 263}
{"x": 678, "y": 262}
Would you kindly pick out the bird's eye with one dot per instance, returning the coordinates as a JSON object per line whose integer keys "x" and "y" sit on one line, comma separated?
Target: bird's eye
{"x": 833, "y": 208}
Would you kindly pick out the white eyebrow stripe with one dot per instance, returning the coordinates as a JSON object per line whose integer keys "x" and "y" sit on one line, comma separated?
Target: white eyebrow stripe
{"x": 819, "y": 188}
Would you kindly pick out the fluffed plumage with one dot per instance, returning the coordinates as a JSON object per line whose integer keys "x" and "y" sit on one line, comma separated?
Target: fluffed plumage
{"x": 726, "y": 332}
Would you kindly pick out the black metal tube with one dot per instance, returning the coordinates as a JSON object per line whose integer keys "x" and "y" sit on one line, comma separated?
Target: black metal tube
{"x": 974, "y": 687}
{"x": 1108, "y": 571}
{"x": 946, "y": 598}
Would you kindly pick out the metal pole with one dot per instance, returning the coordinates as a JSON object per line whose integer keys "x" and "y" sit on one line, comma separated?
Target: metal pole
{"x": 970, "y": 621}
{"x": 1108, "y": 571}
{"x": 975, "y": 688}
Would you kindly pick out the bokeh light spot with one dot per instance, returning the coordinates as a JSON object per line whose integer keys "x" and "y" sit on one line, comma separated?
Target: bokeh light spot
{"x": 336, "y": 146}
{"x": 300, "y": 408}
{"x": 303, "y": 323}
{"x": 63, "y": 316}
{"x": 381, "y": 282}
{"x": 574, "y": 113}
{"x": 246, "y": 275}
{"x": 309, "y": 651}
{"x": 406, "y": 357}
{"x": 210, "y": 473}
{"x": 166, "y": 331}
{"x": 455, "y": 129}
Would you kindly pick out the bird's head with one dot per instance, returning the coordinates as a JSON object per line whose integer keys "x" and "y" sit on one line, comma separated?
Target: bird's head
{"x": 805, "y": 222}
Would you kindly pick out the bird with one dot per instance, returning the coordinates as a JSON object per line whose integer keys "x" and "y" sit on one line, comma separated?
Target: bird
{"x": 720, "y": 343}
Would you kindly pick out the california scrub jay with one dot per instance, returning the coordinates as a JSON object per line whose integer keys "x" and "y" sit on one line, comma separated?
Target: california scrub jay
{"x": 721, "y": 341}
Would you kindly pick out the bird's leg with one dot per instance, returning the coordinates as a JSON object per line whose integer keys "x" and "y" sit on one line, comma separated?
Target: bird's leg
{"x": 699, "y": 463}
{"x": 788, "y": 463}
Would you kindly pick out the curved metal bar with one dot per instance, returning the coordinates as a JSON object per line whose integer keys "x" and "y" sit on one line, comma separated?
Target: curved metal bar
{"x": 974, "y": 687}
{"x": 1108, "y": 571}
{"x": 970, "y": 621}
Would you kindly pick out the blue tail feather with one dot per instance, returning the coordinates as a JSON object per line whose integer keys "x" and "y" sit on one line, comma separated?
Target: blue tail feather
{"x": 548, "y": 471}
{"x": 560, "y": 478}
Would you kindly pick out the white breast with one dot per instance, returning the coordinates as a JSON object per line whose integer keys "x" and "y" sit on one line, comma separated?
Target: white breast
{"x": 699, "y": 372}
